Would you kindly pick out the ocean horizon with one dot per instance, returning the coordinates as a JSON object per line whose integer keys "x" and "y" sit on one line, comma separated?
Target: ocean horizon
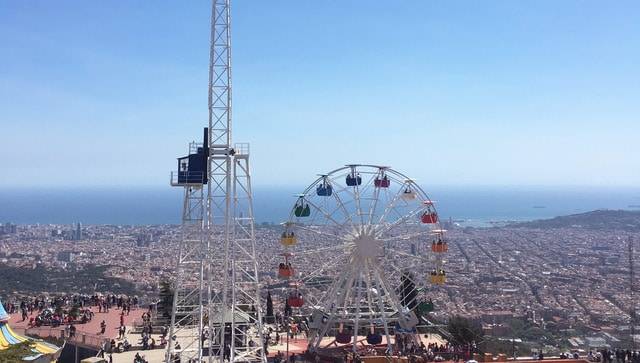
{"x": 272, "y": 204}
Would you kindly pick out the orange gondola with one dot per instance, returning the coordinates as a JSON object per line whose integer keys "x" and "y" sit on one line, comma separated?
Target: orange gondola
{"x": 439, "y": 246}
{"x": 285, "y": 270}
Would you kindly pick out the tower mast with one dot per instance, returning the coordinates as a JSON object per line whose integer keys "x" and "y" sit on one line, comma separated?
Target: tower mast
{"x": 217, "y": 315}
{"x": 235, "y": 311}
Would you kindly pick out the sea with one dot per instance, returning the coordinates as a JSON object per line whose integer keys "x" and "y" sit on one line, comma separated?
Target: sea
{"x": 470, "y": 206}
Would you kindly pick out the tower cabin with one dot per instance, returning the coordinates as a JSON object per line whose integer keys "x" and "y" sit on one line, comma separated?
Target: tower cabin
{"x": 192, "y": 169}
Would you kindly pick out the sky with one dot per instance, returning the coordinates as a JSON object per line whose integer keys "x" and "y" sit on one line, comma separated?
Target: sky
{"x": 97, "y": 93}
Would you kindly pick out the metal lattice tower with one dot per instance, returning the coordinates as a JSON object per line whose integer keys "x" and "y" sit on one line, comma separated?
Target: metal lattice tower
{"x": 227, "y": 323}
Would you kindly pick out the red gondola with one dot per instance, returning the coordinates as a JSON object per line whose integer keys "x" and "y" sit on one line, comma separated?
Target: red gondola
{"x": 295, "y": 300}
{"x": 429, "y": 217}
{"x": 382, "y": 183}
{"x": 285, "y": 270}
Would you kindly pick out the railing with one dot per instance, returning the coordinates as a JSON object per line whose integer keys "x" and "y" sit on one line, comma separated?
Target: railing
{"x": 179, "y": 178}
{"x": 193, "y": 147}
{"x": 45, "y": 331}
{"x": 241, "y": 148}
{"x": 90, "y": 340}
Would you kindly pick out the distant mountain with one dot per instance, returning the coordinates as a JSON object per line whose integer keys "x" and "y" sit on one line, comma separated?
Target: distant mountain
{"x": 598, "y": 219}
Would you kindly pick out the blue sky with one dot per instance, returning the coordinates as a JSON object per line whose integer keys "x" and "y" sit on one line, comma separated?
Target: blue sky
{"x": 450, "y": 92}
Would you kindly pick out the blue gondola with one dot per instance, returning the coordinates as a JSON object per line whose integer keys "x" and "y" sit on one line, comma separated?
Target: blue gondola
{"x": 324, "y": 190}
{"x": 374, "y": 338}
{"x": 344, "y": 337}
{"x": 353, "y": 180}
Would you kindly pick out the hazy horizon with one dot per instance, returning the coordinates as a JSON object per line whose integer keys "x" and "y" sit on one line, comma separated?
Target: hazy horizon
{"x": 139, "y": 205}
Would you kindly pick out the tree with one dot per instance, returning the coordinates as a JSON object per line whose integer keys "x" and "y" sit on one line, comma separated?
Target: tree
{"x": 166, "y": 298}
{"x": 16, "y": 353}
{"x": 287, "y": 308}
{"x": 269, "y": 316}
{"x": 75, "y": 311}
{"x": 464, "y": 332}
{"x": 408, "y": 292}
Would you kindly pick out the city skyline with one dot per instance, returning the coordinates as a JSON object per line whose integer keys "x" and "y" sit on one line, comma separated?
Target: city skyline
{"x": 489, "y": 94}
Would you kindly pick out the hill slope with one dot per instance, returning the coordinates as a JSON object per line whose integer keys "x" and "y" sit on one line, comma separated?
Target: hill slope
{"x": 598, "y": 219}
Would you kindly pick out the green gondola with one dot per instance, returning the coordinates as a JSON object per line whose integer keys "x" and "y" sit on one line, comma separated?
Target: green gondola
{"x": 425, "y": 307}
{"x": 302, "y": 211}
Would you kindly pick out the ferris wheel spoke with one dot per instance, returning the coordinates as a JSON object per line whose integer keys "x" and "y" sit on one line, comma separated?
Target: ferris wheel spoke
{"x": 381, "y": 309}
{"x": 318, "y": 300}
{"x": 405, "y": 237}
{"x": 387, "y": 228}
{"x": 359, "y": 191}
{"x": 326, "y": 249}
{"x": 399, "y": 271}
{"x": 413, "y": 292}
{"x": 367, "y": 282}
{"x": 334, "y": 237}
{"x": 390, "y": 293}
{"x": 392, "y": 202}
{"x": 341, "y": 205}
{"x": 373, "y": 205}
{"x": 357, "y": 316}
{"x": 335, "y": 302}
{"x": 326, "y": 214}
{"x": 405, "y": 254}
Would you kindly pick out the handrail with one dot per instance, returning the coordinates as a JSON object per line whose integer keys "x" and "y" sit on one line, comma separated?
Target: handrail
{"x": 179, "y": 178}
{"x": 87, "y": 339}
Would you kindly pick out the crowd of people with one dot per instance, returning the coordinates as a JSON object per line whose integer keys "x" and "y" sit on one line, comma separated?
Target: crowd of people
{"x": 67, "y": 309}
{"x": 615, "y": 355}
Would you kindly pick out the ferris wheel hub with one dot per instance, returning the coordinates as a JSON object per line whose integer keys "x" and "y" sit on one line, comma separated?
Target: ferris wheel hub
{"x": 367, "y": 245}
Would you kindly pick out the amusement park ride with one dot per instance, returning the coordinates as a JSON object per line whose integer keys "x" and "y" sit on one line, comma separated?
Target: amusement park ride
{"x": 371, "y": 227}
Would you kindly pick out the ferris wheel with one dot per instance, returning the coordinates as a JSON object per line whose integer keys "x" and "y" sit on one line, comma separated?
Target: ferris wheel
{"x": 362, "y": 247}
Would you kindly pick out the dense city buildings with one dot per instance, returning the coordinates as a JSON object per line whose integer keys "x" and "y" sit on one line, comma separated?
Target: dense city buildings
{"x": 567, "y": 281}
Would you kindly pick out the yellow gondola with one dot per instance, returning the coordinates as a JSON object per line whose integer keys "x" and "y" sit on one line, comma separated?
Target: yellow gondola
{"x": 288, "y": 239}
{"x": 438, "y": 278}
